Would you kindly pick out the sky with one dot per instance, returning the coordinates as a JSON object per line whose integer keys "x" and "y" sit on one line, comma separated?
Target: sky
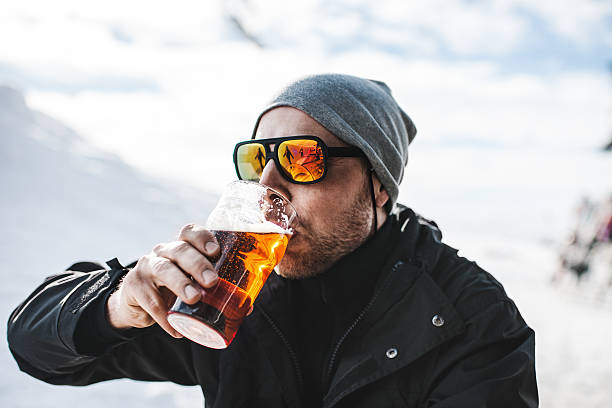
{"x": 520, "y": 89}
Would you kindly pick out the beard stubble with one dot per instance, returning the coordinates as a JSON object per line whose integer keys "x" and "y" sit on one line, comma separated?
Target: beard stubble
{"x": 344, "y": 232}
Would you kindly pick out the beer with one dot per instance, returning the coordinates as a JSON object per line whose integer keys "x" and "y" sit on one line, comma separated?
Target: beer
{"x": 247, "y": 258}
{"x": 252, "y": 239}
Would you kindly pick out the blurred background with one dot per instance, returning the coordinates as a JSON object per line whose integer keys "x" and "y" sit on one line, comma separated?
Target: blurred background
{"x": 118, "y": 120}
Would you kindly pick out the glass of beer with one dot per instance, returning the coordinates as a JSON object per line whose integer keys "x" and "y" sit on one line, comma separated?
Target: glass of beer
{"x": 252, "y": 224}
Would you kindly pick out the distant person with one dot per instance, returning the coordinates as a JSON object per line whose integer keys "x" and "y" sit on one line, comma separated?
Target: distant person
{"x": 288, "y": 155}
{"x": 591, "y": 234}
{"x": 261, "y": 158}
{"x": 604, "y": 233}
{"x": 574, "y": 256}
{"x": 368, "y": 307}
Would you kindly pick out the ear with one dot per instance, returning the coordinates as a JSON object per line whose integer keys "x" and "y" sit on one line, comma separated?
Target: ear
{"x": 380, "y": 194}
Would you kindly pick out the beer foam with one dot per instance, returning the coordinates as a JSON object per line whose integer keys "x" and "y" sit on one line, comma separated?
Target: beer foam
{"x": 253, "y": 221}
{"x": 245, "y": 206}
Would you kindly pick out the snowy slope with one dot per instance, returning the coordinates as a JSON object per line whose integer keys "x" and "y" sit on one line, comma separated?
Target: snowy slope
{"x": 63, "y": 201}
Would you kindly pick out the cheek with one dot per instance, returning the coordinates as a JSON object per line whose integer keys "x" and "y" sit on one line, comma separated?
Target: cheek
{"x": 319, "y": 205}
{"x": 308, "y": 212}
{"x": 317, "y": 208}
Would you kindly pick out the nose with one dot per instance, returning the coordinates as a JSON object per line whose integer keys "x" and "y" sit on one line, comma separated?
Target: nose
{"x": 271, "y": 177}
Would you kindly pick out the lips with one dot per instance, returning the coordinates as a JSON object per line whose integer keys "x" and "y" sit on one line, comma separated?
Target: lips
{"x": 294, "y": 231}
{"x": 292, "y": 238}
{"x": 295, "y": 240}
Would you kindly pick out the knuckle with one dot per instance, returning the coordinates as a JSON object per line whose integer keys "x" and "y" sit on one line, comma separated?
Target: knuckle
{"x": 159, "y": 248}
{"x": 196, "y": 233}
{"x": 206, "y": 235}
{"x": 186, "y": 229}
{"x": 136, "y": 273}
{"x": 182, "y": 248}
{"x": 142, "y": 261}
{"x": 159, "y": 267}
{"x": 146, "y": 260}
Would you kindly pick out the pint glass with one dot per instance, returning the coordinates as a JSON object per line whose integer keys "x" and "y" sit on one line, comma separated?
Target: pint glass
{"x": 252, "y": 224}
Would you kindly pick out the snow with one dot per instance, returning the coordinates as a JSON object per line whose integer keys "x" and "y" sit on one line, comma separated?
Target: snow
{"x": 127, "y": 121}
{"x": 64, "y": 201}
{"x": 573, "y": 323}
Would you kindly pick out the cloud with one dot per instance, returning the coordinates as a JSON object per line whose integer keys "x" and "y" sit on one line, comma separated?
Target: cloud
{"x": 54, "y": 79}
{"x": 174, "y": 110}
{"x": 581, "y": 21}
{"x": 538, "y": 33}
{"x": 442, "y": 28}
{"x": 206, "y": 105}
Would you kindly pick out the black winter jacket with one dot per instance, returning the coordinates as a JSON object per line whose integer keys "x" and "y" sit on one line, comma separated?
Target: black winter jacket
{"x": 438, "y": 331}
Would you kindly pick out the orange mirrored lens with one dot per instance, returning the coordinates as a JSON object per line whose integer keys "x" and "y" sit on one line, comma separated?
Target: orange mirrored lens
{"x": 302, "y": 160}
{"x": 251, "y": 159}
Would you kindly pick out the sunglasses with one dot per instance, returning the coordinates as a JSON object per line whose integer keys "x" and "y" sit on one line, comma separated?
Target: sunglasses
{"x": 300, "y": 159}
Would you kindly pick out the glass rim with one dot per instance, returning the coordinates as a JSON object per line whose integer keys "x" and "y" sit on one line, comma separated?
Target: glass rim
{"x": 286, "y": 201}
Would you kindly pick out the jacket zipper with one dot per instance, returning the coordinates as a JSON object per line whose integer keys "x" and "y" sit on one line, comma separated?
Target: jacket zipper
{"x": 294, "y": 358}
{"x": 330, "y": 367}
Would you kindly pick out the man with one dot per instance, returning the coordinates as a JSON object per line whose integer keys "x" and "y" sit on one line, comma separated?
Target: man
{"x": 369, "y": 308}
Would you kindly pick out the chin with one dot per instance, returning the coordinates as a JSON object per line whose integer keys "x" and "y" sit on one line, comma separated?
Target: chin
{"x": 286, "y": 267}
{"x": 289, "y": 267}
{"x": 301, "y": 259}
{"x": 293, "y": 266}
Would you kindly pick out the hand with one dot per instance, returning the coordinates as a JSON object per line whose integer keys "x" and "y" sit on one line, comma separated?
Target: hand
{"x": 147, "y": 291}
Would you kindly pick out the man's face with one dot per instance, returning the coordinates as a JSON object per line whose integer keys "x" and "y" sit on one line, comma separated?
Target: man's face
{"x": 335, "y": 215}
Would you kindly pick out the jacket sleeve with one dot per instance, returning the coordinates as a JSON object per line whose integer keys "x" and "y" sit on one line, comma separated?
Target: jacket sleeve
{"x": 60, "y": 335}
{"x": 493, "y": 365}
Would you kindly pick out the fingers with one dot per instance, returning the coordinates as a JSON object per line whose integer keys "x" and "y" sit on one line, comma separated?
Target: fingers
{"x": 190, "y": 260}
{"x": 167, "y": 274}
{"x": 180, "y": 268}
{"x": 201, "y": 239}
{"x": 139, "y": 302}
{"x": 152, "y": 303}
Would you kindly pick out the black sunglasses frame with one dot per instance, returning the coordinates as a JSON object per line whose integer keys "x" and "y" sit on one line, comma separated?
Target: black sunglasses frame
{"x": 328, "y": 151}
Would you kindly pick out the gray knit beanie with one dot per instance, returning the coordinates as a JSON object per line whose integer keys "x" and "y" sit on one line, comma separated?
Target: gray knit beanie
{"x": 362, "y": 113}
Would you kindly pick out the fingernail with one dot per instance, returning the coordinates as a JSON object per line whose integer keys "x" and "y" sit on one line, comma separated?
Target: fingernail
{"x": 190, "y": 292}
{"x": 211, "y": 247}
{"x": 209, "y": 277}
